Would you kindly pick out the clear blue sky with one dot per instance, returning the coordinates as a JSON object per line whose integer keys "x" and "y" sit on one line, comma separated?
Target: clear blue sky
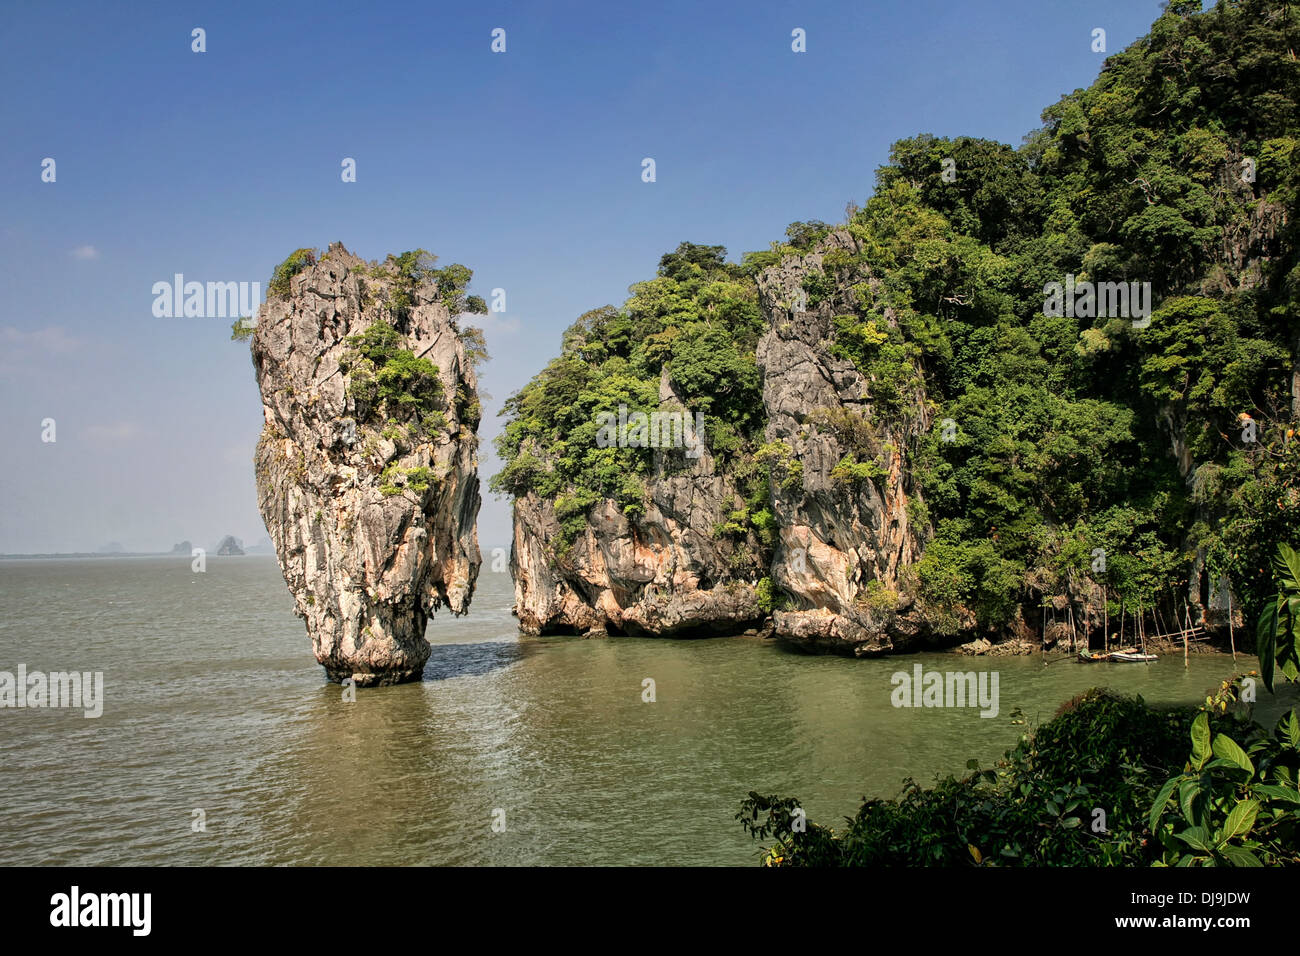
{"x": 525, "y": 166}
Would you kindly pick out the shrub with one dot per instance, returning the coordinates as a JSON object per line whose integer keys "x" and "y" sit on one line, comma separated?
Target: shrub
{"x": 1232, "y": 805}
{"x": 298, "y": 260}
{"x": 389, "y": 381}
{"x": 1034, "y": 808}
{"x": 854, "y": 472}
{"x": 395, "y": 479}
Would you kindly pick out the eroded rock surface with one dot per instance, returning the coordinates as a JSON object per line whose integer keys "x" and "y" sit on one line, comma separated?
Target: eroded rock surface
{"x": 844, "y": 544}
{"x": 370, "y": 501}
{"x": 665, "y": 574}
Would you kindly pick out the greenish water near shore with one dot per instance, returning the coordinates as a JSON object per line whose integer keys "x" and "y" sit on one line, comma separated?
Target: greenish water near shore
{"x": 213, "y": 702}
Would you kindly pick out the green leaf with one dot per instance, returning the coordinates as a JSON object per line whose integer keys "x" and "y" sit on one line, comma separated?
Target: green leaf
{"x": 1162, "y": 800}
{"x": 1218, "y": 763}
{"x": 1198, "y": 838}
{"x": 1277, "y": 792}
{"x": 1201, "y": 739}
{"x": 1265, "y": 642}
{"x": 1227, "y": 749}
{"x": 1289, "y": 726}
{"x": 1287, "y": 564}
{"x": 1240, "y": 821}
{"x": 1289, "y": 613}
{"x": 1240, "y": 856}
{"x": 1187, "y": 793}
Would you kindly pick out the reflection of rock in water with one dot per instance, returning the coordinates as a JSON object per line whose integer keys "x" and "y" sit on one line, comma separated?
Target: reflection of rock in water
{"x": 367, "y": 466}
{"x": 470, "y": 660}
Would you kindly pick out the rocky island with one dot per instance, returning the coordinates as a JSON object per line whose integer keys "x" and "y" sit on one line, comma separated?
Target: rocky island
{"x": 367, "y": 464}
{"x": 1023, "y": 397}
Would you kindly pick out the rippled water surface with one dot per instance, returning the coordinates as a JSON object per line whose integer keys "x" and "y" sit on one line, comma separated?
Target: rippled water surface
{"x": 214, "y": 702}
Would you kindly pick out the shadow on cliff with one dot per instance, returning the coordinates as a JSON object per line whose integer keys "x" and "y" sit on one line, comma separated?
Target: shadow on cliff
{"x": 469, "y": 660}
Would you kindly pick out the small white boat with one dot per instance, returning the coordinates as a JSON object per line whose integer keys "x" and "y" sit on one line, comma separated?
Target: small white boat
{"x": 1131, "y": 657}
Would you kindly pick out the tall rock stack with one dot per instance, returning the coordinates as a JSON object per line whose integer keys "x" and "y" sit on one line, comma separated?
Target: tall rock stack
{"x": 370, "y": 494}
{"x": 842, "y": 547}
{"x": 837, "y": 539}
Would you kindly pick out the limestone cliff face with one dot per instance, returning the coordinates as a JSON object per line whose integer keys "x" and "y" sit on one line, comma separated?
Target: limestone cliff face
{"x": 666, "y": 573}
{"x": 846, "y": 543}
{"x": 371, "y": 509}
{"x": 844, "y": 548}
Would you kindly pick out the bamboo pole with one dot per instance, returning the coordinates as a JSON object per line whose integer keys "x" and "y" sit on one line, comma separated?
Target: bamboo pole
{"x": 1105, "y": 619}
{"x": 1142, "y": 634}
{"x": 1074, "y": 638}
{"x": 1188, "y": 613}
{"x": 1232, "y": 639}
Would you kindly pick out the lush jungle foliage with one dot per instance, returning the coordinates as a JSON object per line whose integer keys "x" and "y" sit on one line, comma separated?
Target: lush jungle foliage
{"x": 1070, "y": 429}
{"x": 699, "y": 323}
{"x": 1107, "y": 782}
{"x": 1234, "y": 804}
{"x": 1170, "y": 445}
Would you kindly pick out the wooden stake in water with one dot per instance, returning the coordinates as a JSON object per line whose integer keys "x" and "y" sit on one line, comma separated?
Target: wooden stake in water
{"x": 1232, "y": 640}
{"x": 1105, "y": 619}
{"x": 1142, "y": 633}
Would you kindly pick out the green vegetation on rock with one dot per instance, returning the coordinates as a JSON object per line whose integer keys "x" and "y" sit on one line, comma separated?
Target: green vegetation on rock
{"x": 298, "y": 260}
{"x": 389, "y": 383}
{"x": 698, "y": 321}
{"x": 409, "y": 271}
{"x": 1164, "y": 441}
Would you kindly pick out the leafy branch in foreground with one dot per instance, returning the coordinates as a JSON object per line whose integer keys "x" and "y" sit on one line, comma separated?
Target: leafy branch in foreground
{"x": 1233, "y": 802}
{"x": 1233, "y": 806}
{"x": 1277, "y": 640}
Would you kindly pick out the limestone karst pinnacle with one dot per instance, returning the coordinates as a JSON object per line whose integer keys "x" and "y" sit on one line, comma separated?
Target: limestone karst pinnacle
{"x": 367, "y": 464}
